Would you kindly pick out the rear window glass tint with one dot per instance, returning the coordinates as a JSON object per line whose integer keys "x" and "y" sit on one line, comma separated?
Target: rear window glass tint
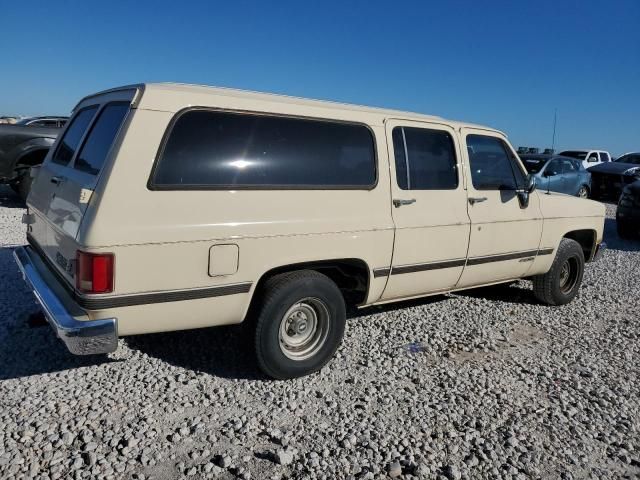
{"x": 95, "y": 149}
{"x": 432, "y": 159}
{"x": 207, "y": 149}
{"x": 71, "y": 139}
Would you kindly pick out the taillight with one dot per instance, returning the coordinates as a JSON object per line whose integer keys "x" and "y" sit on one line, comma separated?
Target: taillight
{"x": 94, "y": 272}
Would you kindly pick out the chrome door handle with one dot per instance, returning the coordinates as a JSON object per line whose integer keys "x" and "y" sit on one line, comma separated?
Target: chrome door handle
{"x": 474, "y": 200}
{"x": 57, "y": 180}
{"x": 397, "y": 202}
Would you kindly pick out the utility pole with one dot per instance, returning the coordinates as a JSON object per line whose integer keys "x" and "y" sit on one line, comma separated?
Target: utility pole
{"x": 555, "y": 120}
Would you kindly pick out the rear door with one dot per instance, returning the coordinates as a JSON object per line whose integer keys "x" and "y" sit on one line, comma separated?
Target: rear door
{"x": 64, "y": 186}
{"x": 429, "y": 208}
{"x": 572, "y": 179}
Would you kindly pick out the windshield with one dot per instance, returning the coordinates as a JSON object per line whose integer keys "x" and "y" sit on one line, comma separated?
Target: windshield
{"x": 579, "y": 154}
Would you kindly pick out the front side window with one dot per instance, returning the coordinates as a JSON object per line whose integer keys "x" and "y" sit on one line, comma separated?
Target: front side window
{"x": 568, "y": 166}
{"x": 71, "y": 139}
{"x": 604, "y": 156}
{"x": 104, "y": 130}
{"x": 425, "y": 159}
{"x": 209, "y": 149}
{"x": 492, "y": 165}
{"x": 553, "y": 168}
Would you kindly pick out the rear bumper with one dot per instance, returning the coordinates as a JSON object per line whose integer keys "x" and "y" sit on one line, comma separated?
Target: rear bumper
{"x": 81, "y": 337}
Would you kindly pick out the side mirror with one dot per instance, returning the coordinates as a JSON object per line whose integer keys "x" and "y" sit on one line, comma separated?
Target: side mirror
{"x": 530, "y": 184}
{"x": 549, "y": 173}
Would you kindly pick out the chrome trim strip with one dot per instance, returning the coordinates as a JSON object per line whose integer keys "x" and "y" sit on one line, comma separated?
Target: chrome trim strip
{"x": 102, "y": 303}
{"x": 381, "y": 272}
{"x": 528, "y": 255}
{"x": 501, "y": 257}
{"x": 420, "y": 267}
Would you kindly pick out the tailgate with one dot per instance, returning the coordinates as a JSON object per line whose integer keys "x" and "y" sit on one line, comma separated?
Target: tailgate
{"x": 63, "y": 188}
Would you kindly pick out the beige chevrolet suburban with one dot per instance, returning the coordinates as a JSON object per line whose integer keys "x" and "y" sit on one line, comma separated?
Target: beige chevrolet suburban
{"x": 168, "y": 207}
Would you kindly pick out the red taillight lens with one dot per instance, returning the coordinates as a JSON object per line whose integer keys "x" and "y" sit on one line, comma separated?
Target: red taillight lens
{"x": 94, "y": 272}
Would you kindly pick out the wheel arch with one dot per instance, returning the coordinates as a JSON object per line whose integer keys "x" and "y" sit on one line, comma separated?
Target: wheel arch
{"x": 587, "y": 240}
{"x": 351, "y": 275}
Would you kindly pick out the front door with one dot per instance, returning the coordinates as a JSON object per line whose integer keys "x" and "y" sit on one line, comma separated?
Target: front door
{"x": 553, "y": 178}
{"x": 429, "y": 209}
{"x": 505, "y": 231}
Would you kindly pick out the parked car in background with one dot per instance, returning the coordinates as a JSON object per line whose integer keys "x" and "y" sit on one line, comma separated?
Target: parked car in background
{"x": 8, "y": 120}
{"x": 608, "y": 179}
{"x": 218, "y": 206}
{"x": 559, "y": 174}
{"x": 628, "y": 213}
{"x": 53, "y": 122}
{"x": 589, "y": 158}
{"x": 23, "y": 147}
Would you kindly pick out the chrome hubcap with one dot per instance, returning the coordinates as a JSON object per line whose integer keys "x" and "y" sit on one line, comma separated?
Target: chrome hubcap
{"x": 304, "y": 328}
{"x": 568, "y": 275}
{"x": 564, "y": 274}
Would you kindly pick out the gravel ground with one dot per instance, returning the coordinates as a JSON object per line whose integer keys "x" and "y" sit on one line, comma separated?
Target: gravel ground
{"x": 484, "y": 384}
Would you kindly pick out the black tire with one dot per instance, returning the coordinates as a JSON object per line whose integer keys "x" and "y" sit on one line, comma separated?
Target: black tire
{"x": 298, "y": 296}
{"x": 559, "y": 286}
{"x": 584, "y": 192}
{"x": 624, "y": 229}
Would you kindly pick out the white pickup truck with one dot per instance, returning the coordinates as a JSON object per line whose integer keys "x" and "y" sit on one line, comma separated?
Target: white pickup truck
{"x": 589, "y": 158}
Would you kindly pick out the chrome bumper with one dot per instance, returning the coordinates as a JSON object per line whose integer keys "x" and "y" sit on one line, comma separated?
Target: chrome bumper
{"x": 81, "y": 337}
{"x": 600, "y": 249}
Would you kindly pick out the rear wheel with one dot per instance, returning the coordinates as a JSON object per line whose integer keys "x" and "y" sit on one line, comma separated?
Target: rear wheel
{"x": 299, "y": 324}
{"x": 562, "y": 282}
{"x": 583, "y": 192}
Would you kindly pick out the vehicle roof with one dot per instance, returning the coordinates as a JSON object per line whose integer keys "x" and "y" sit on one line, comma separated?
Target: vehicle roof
{"x": 545, "y": 156}
{"x": 585, "y": 150}
{"x": 166, "y": 96}
{"x": 45, "y": 117}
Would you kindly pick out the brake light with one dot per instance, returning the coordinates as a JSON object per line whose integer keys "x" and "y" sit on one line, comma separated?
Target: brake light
{"x": 94, "y": 272}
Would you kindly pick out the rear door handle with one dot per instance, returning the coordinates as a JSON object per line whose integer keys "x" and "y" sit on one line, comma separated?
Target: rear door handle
{"x": 397, "y": 202}
{"x": 57, "y": 180}
{"x": 474, "y": 200}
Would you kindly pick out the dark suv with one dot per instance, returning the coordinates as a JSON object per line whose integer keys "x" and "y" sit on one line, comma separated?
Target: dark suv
{"x": 628, "y": 214}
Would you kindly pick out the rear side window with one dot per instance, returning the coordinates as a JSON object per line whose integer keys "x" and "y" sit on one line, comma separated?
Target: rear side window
{"x": 71, "y": 139}
{"x": 425, "y": 159}
{"x": 217, "y": 150}
{"x": 103, "y": 132}
{"x": 492, "y": 165}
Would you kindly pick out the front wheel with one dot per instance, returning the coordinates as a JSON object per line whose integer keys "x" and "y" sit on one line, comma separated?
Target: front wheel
{"x": 583, "y": 192}
{"x": 561, "y": 283}
{"x": 299, "y": 325}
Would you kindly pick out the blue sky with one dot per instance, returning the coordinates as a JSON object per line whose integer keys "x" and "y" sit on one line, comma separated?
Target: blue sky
{"x": 507, "y": 64}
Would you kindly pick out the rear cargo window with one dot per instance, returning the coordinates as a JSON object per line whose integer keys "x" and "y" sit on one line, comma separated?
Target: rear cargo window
{"x": 95, "y": 148}
{"x": 72, "y": 136}
{"x": 217, "y": 150}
